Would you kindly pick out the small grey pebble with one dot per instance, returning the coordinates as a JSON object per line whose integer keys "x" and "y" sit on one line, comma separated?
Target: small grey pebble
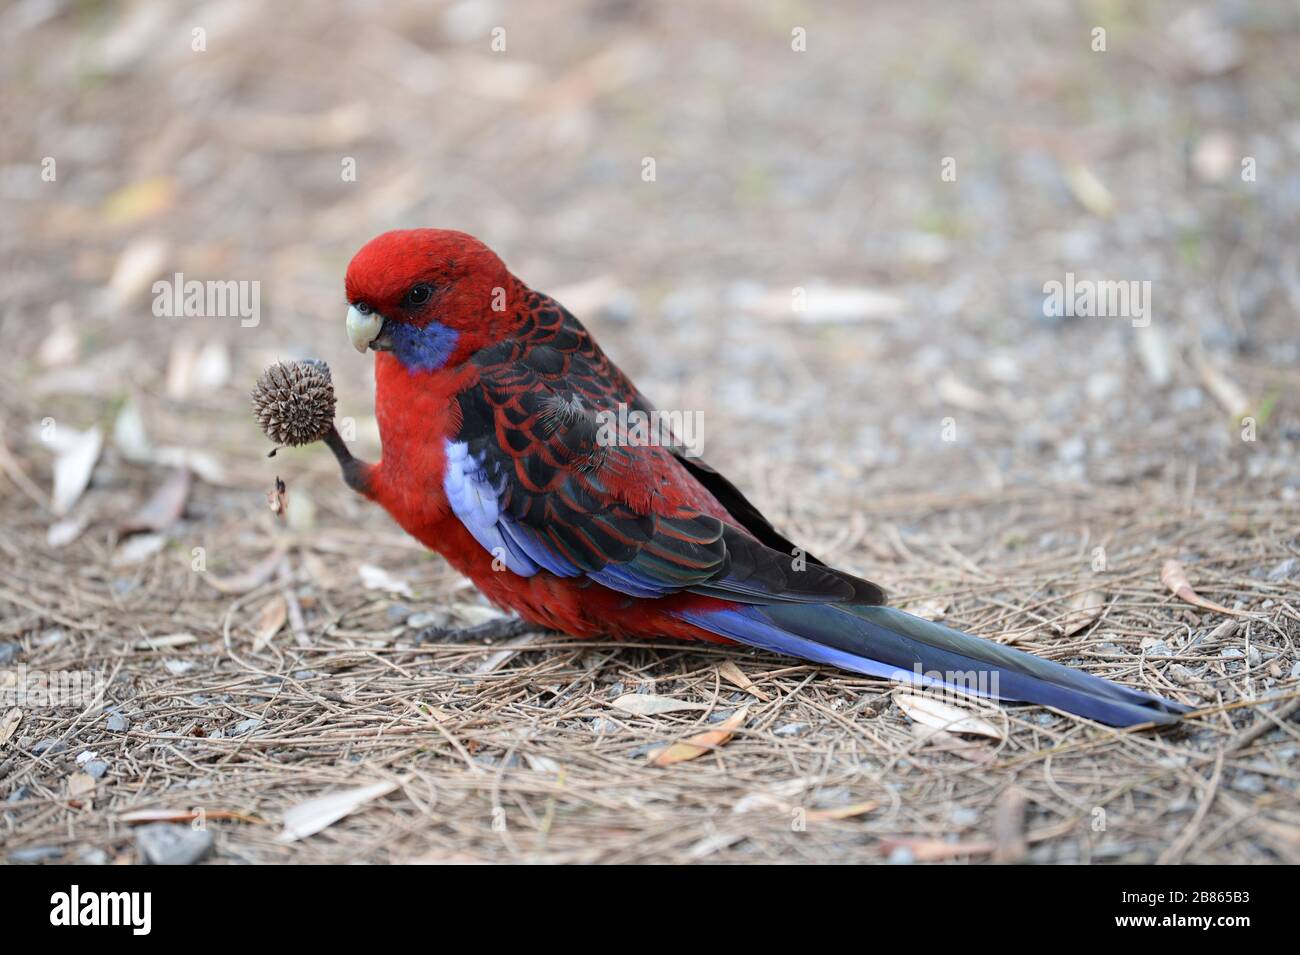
{"x": 96, "y": 768}
{"x": 9, "y": 651}
{"x": 902, "y": 856}
{"x": 790, "y": 729}
{"x": 36, "y": 854}
{"x": 1232, "y": 653}
{"x": 398, "y": 612}
{"x": 962, "y": 816}
{"x": 163, "y": 843}
{"x": 425, "y": 619}
{"x": 49, "y": 746}
{"x": 92, "y": 856}
{"x": 1287, "y": 570}
{"x": 117, "y": 723}
{"x": 245, "y": 726}
{"x": 1072, "y": 449}
{"x": 1249, "y": 783}
{"x": 18, "y": 795}
{"x": 304, "y": 674}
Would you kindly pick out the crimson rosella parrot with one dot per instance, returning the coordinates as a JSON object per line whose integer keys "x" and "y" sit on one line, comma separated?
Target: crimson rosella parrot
{"x": 488, "y": 398}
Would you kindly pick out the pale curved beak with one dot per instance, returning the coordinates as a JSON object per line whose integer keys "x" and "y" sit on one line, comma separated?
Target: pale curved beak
{"x": 363, "y": 329}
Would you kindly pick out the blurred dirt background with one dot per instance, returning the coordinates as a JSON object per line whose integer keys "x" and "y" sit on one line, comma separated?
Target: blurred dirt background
{"x": 921, "y": 421}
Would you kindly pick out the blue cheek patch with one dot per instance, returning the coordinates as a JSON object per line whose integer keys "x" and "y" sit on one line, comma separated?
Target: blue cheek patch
{"x": 423, "y": 349}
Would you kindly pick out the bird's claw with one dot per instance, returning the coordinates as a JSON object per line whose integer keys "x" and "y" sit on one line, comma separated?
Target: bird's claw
{"x": 499, "y": 629}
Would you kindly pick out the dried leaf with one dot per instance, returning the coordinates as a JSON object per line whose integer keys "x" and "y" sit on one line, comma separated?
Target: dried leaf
{"x": 61, "y": 345}
{"x": 644, "y": 704}
{"x": 77, "y": 452}
{"x": 842, "y": 812}
{"x": 204, "y": 465}
{"x": 250, "y": 579}
{"x": 139, "y": 264}
{"x": 81, "y": 785}
{"x": 211, "y": 367}
{"x": 376, "y": 578}
{"x": 472, "y": 615}
{"x": 1215, "y": 156}
{"x": 314, "y": 815}
{"x": 847, "y": 304}
{"x": 961, "y": 395}
{"x": 509, "y": 651}
{"x": 181, "y": 359}
{"x": 542, "y": 764}
{"x": 730, "y": 672}
{"x": 944, "y": 716}
{"x": 129, "y": 434}
{"x": 273, "y": 616}
{"x": 1156, "y": 352}
{"x": 137, "y": 549}
{"x": 1174, "y": 577}
{"x": 64, "y": 532}
{"x": 932, "y": 850}
{"x": 139, "y": 200}
{"x": 701, "y": 743}
{"x": 1089, "y": 191}
{"x": 944, "y": 742}
{"x": 1081, "y": 610}
{"x": 713, "y": 843}
{"x": 164, "y": 508}
{"x": 166, "y": 642}
{"x": 826, "y": 303}
{"x": 1225, "y": 391}
{"x": 9, "y": 724}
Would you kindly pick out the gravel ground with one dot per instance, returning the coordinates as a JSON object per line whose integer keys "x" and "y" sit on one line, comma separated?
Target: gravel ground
{"x": 840, "y": 256}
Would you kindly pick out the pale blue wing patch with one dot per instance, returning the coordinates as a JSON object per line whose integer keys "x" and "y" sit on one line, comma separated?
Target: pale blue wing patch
{"x": 474, "y": 500}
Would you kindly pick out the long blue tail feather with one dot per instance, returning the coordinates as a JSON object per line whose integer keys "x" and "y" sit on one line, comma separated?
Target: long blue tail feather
{"x": 884, "y": 642}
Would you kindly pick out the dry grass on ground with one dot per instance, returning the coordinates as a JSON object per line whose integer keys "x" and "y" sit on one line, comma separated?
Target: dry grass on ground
{"x": 514, "y": 752}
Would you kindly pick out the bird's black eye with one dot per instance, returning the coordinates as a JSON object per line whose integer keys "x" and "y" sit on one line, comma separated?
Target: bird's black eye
{"x": 419, "y": 294}
{"x": 363, "y": 308}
